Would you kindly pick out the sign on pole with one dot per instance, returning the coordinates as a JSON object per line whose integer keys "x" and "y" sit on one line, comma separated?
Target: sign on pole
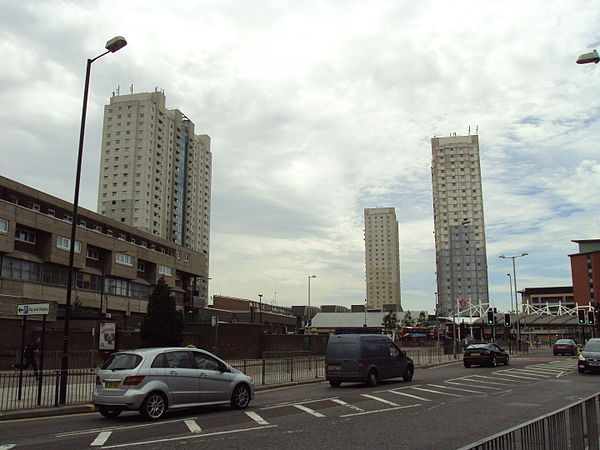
{"x": 33, "y": 309}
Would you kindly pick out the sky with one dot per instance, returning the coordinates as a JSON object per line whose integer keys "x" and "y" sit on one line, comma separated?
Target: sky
{"x": 319, "y": 109}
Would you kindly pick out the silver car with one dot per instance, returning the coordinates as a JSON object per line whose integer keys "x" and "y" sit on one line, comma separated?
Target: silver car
{"x": 154, "y": 380}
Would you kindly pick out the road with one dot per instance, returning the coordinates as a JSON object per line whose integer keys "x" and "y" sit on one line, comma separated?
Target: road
{"x": 443, "y": 408}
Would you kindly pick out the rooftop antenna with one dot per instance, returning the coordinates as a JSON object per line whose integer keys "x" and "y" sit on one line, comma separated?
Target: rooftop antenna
{"x": 469, "y": 130}
{"x": 477, "y": 129}
{"x": 118, "y": 90}
{"x": 131, "y": 88}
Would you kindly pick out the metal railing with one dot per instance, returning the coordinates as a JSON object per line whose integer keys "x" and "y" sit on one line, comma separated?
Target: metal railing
{"x": 282, "y": 370}
{"x": 572, "y": 427}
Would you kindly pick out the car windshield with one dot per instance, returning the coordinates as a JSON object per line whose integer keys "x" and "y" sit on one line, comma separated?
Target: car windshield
{"x": 592, "y": 347}
{"x": 477, "y": 346}
{"x": 564, "y": 341}
{"x": 122, "y": 361}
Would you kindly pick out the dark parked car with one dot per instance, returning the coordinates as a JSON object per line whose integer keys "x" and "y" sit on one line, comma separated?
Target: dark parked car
{"x": 488, "y": 354}
{"x": 154, "y": 380}
{"x": 365, "y": 357}
{"x": 565, "y": 347}
{"x": 590, "y": 356}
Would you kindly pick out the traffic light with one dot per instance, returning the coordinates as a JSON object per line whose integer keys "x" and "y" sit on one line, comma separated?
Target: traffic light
{"x": 581, "y": 316}
{"x": 591, "y": 318}
{"x": 507, "y": 320}
{"x": 490, "y": 317}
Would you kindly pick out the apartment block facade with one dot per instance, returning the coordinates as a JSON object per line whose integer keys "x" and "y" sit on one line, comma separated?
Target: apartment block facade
{"x": 155, "y": 172}
{"x": 382, "y": 259}
{"x": 585, "y": 272}
{"x": 116, "y": 264}
{"x": 459, "y": 227}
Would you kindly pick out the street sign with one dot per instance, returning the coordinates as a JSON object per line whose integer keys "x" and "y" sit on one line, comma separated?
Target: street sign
{"x": 33, "y": 309}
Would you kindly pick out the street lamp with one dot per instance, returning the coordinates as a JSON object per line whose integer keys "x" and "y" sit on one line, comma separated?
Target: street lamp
{"x": 587, "y": 58}
{"x": 112, "y": 46}
{"x": 512, "y": 308}
{"x": 308, "y": 320}
{"x": 516, "y": 298}
{"x": 260, "y": 308}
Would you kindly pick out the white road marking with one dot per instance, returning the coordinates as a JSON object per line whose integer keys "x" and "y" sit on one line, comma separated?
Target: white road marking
{"x": 258, "y": 419}
{"x": 193, "y": 426}
{"x": 492, "y": 382}
{"x": 380, "y": 410}
{"x": 504, "y": 374}
{"x": 101, "y": 439}
{"x": 410, "y": 395}
{"x": 283, "y": 405}
{"x": 343, "y": 403}
{"x": 456, "y": 389}
{"x": 379, "y": 399}
{"x": 537, "y": 373}
{"x": 474, "y": 381}
{"x": 7, "y": 446}
{"x": 438, "y": 392}
{"x": 188, "y": 437}
{"x": 117, "y": 428}
{"x": 308, "y": 410}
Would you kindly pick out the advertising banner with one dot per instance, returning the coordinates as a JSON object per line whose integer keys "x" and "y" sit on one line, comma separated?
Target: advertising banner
{"x": 108, "y": 332}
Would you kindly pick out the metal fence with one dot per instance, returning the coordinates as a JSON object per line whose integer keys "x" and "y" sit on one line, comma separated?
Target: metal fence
{"x": 572, "y": 427}
{"x": 52, "y": 359}
{"x": 21, "y": 390}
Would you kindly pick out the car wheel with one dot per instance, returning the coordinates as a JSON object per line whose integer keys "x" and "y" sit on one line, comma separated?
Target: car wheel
{"x": 580, "y": 370}
{"x": 467, "y": 365}
{"x": 335, "y": 383}
{"x": 372, "y": 378}
{"x": 108, "y": 412}
{"x": 408, "y": 373}
{"x": 240, "y": 397}
{"x": 493, "y": 362}
{"x": 506, "y": 361}
{"x": 154, "y": 406}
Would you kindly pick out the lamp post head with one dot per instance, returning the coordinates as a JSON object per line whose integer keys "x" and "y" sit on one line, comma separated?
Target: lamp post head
{"x": 502, "y": 256}
{"x": 116, "y": 44}
{"x": 524, "y": 254}
{"x": 587, "y": 58}
{"x": 312, "y": 276}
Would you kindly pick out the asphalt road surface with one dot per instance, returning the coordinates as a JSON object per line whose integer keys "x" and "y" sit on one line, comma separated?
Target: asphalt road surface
{"x": 444, "y": 407}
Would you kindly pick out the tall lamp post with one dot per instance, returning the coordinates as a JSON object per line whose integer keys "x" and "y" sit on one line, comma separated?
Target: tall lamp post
{"x": 512, "y": 308}
{"x": 115, "y": 44}
{"x": 308, "y": 318}
{"x": 519, "y": 308}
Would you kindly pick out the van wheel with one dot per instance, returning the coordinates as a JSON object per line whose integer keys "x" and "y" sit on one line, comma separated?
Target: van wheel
{"x": 494, "y": 363}
{"x": 154, "y": 406}
{"x": 372, "y": 379}
{"x": 408, "y": 373}
{"x": 335, "y": 383}
{"x": 108, "y": 412}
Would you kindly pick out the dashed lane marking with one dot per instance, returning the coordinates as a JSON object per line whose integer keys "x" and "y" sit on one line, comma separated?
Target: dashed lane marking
{"x": 193, "y": 426}
{"x": 258, "y": 419}
{"x": 456, "y": 389}
{"x": 476, "y": 386}
{"x": 308, "y": 410}
{"x": 379, "y": 399}
{"x": 343, "y": 403}
{"x": 380, "y": 410}
{"x": 409, "y": 395}
{"x": 438, "y": 392}
{"x": 101, "y": 439}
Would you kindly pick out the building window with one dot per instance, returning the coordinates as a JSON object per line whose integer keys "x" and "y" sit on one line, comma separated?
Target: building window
{"x": 93, "y": 253}
{"x": 141, "y": 266}
{"x": 3, "y": 226}
{"x": 164, "y": 270}
{"x": 126, "y": 260}
{"x": 25, "y": 236}
{"x": 65, "y": 244}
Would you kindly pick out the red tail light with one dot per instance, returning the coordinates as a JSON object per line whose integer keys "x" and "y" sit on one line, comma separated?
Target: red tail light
{"x": 361, "y": 365}
{"x": 98, "y": 382}
{"x": 487, "y": 352}
{"x": 133, "y": 381}
{"x": 466, "y": 354}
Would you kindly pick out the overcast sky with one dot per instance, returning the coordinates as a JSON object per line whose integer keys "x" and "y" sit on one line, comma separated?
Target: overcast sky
{"x": 319, "y": 109}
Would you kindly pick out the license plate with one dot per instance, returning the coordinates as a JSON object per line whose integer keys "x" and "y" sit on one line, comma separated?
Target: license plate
{"x": 594, "y": 363}
{"x": 112, "y": 385}
{"x": 334, "y": 367}
{"x": 475, "y": 354}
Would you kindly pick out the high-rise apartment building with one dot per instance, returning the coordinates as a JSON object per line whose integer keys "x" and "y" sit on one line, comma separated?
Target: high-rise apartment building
{"x": 382, "y": 259}
{"x": 461, "y": 260}
{"x": 155, "y": 172}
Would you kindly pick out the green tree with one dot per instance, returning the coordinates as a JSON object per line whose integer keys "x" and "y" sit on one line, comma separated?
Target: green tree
{"x": 423, "y": 319}
{"x": 408, "y": 320}
{"x": 390, "y": 323}
{"x": 162, "y": 326}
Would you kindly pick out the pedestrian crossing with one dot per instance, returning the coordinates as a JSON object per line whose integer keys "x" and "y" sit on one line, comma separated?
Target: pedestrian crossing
{"x": 345, "y": 404}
